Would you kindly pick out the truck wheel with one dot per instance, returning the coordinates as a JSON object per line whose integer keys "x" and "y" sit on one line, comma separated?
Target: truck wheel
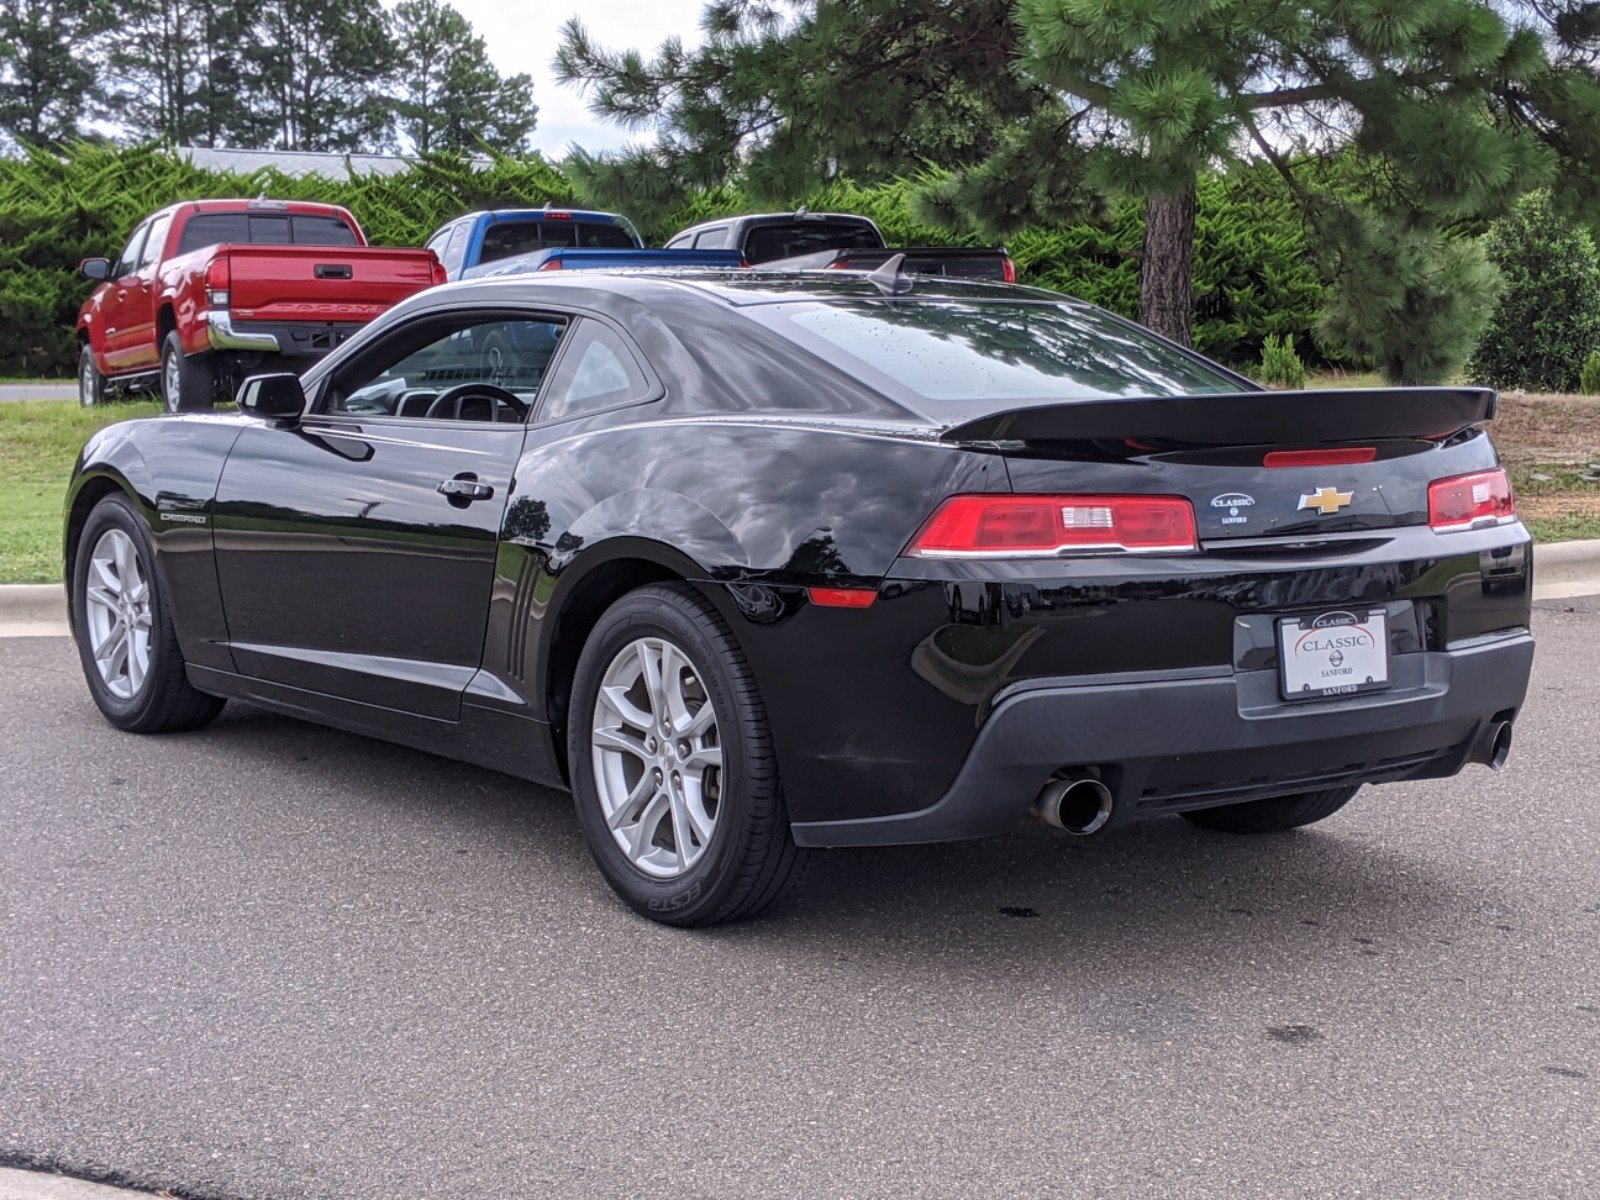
{"x": 188, "y": 382}
{"x": 1275, "y": 814}
{"x": 91, "y": 384}
{"x": 672, "y": 766}
{"x": 126, "y": 642}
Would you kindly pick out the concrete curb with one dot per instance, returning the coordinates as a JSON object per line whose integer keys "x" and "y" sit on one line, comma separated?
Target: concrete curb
{"x": 41, "y": 1185}
{"x": 33, "y": 610}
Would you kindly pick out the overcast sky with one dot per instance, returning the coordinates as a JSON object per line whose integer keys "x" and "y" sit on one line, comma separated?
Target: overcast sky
{"x": 522, "y": 37}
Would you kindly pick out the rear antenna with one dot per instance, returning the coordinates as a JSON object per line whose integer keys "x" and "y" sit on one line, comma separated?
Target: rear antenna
{"x": 801, "y": 211}
{"x": 890, "y": 279}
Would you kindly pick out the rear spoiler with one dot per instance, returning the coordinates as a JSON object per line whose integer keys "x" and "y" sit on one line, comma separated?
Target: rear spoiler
{"x": 1241, "y": 418}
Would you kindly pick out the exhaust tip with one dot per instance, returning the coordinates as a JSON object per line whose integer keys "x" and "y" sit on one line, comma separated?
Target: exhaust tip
{"x": 1499, "y": 744}
{"x": 1077, "y": 806}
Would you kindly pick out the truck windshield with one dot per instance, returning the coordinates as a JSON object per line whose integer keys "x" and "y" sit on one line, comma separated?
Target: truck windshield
{"x": 506, "y": 238}
{"x": 1009, "y": 353}
{"x": 785, "y": 239}
{"x": 264, "y": 229}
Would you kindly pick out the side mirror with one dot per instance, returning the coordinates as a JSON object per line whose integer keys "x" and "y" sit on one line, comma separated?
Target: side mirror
{"x": 95, "y": 268}
{"x": 272, "y": 397}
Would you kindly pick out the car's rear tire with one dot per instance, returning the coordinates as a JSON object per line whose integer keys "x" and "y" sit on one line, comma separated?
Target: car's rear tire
{"x": 1273, "y": 815}
{"x": 188, "y": 382}
{"x": 123, "y": 627}
{"x": 666, "y": 775}
{"x": 91, "y": 384}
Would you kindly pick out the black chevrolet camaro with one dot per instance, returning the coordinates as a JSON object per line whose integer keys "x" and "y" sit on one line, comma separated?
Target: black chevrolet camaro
{"x": 761, "y": 563}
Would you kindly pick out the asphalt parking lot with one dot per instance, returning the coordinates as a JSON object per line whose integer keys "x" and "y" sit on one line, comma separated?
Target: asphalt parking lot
{"x": 268, "y": 960}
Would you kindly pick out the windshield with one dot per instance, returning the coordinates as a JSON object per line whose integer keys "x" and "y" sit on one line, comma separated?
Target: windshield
{"x": 1008, "y": 353}
{"x": 786, "y": 239}
{"x": 506, "y": 238}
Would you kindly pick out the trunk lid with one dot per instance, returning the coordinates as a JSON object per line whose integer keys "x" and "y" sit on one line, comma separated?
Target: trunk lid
{"x": 1289, "y": 465}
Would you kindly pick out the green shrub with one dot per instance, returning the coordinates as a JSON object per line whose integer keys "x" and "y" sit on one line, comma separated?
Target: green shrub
{"x": 1548, "y": 318}
{"x": 1589, "y": 376}
{"x": 1280, "y": 364}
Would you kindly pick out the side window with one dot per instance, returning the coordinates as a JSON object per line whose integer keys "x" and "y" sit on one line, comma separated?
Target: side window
{"x": 679, "y": 243}
{"x": 465, "y": 368}
{"x": 128, "y": 262}
{"x": 456, "y": 249}
{"x": 156, "y": 242}
{"x": 712, "y": 239}
{"x": 597, "y": 371}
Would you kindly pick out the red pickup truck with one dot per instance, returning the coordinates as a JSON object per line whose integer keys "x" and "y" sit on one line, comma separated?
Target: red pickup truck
{"x": 209, "y": 291}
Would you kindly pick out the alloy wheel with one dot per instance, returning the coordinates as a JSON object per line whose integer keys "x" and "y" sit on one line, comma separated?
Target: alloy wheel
{"x": 88, "y": 382}
{"x": 657, "y": 757}
{"x": 172, "y": 382}
{"x": 117, "y": 614}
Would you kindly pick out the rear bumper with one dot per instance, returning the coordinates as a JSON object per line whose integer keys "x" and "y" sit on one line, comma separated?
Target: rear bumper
{"x": 1172, "y": 741}
{"x": 288, "y": 339}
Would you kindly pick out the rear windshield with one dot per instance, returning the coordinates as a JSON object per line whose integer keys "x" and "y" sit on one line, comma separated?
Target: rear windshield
{"x": 764, "y": 243}
{"x": 264, "y": 229}
{"x": 1005, "y": 352}
{"x": 506, "y": 238}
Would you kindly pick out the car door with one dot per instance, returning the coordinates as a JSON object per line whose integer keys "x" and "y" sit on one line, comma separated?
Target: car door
{"x": 139, "y": 308}
{"x": 356, "y": 551}
{"x": 114, "y": 305}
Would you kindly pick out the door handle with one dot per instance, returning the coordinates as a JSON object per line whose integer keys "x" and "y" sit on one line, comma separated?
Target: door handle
{"x": 465, "y": 487}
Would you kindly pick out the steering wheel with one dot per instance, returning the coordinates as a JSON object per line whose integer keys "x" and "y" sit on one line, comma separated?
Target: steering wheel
{"x": 449, "y": 402}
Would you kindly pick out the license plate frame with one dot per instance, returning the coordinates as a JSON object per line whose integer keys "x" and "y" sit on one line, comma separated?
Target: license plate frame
{"x": 1347, "y": 646}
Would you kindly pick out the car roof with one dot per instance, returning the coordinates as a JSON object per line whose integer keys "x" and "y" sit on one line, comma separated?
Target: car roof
{"x": 741, "y": 288}
{"x": 265, "y": 206}
{"x": 534, "y": 214}
{"x": 777, "y": 218}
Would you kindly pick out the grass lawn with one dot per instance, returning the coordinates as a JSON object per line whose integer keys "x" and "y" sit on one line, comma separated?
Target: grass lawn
{"x": 39, "y": 442}
{"x": 1547, "y": 441}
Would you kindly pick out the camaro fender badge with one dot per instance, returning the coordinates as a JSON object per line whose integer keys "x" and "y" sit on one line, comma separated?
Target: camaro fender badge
{"x": 1233, "y": 502}
{"x": 1326, "y": 500}
{"x": 184, "y": 518}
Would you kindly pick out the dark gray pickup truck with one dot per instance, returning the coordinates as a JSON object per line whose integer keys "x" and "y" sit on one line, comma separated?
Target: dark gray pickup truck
{"x": 847, "y": 241}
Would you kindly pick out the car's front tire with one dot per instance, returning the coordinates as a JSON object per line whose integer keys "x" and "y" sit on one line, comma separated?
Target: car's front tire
{"x": 126, "y": 642}
{"x": 188, "y": 382}
{"x": 672, "y": 766}
{"x": 1273, "y": 815}
{"x": 91, "y": 384}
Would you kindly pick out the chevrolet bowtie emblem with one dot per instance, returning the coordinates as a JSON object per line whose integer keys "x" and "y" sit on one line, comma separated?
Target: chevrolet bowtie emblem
{"x": 1327, "y": 501}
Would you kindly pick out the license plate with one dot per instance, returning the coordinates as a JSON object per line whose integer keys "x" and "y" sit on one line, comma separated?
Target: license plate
{"x": 1335, "y": 653}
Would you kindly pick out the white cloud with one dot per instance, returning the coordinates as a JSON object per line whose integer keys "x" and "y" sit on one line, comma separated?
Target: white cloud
{"x": 522, "y": 38}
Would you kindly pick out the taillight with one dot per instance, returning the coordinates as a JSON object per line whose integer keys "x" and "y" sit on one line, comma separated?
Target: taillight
{"x": 440, "y": 275}
{"x": 217, "y": 281}
{"x": 1001, "y": 526}
{"x": 1468, "y": 501}
{"x": 1008, "y": 270}
{"x": 550, "y": 264}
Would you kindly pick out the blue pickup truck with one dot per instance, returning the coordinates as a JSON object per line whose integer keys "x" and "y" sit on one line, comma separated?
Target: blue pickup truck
{"x": 516, "y": 240}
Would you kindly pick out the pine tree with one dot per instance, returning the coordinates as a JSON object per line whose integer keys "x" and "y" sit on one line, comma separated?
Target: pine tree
{"x": 49, "y": 51}
{"x": 313, "y": 74}
{"x": 177, "y": 64}
{"x": 448, "y": 96}
{"x": 1451, "y": 108}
